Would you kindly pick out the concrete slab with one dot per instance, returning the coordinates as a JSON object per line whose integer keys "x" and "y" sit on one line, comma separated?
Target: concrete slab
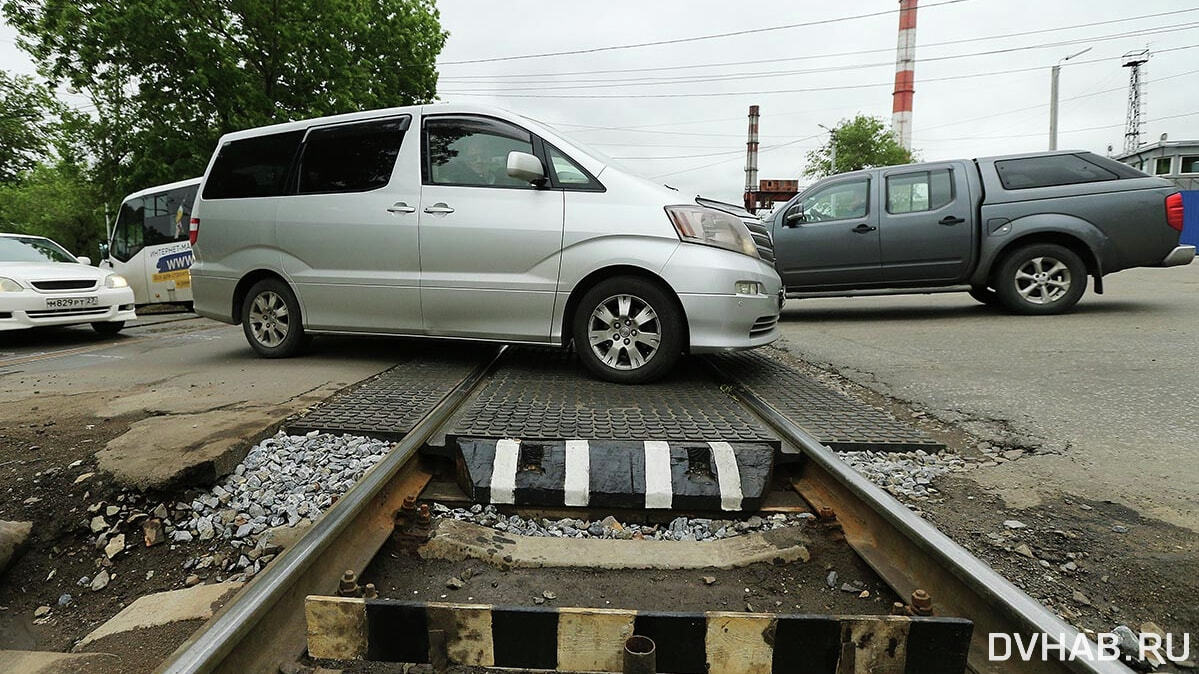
{"x": 13, "y": 536}
{"x": 154, "y": 610}
{"x": 46, "y": 662}
{"x": 456, "y": 541}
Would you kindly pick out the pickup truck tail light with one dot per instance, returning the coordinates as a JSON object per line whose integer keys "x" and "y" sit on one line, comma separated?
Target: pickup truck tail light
{"x": 1174, "y": 210}
{"x": 193, "y": 230}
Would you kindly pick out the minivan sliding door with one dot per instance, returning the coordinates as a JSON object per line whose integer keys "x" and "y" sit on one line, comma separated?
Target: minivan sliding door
{"x": 349, "y": 231}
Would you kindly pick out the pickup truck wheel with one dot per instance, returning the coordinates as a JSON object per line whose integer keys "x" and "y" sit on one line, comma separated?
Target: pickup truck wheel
{"x": 628, "y": 330}
{"x": 1040, "y": 279}
{"x": 271, "y": 320}
{"x": 985, "y": 295}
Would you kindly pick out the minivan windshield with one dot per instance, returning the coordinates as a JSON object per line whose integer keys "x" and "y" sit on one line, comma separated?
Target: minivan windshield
{"x": 32, "y": 249}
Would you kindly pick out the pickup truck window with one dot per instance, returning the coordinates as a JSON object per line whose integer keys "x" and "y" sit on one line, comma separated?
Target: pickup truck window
{"x": 920, "y": 191}
{"x": 1050, "y": 170}
{"x": 838, "y": 202}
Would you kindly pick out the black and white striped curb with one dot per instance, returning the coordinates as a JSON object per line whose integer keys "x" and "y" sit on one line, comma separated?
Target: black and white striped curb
{"x": 650, "y": 474}
{"x": 592, "y": 640}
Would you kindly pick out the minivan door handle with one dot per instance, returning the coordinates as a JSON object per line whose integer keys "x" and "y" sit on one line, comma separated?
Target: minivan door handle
{"x": 951, "y": 220}
{"x": 439, "y": 207}
{"x": 401, "y": 207}
{"x": 863, "y": 228}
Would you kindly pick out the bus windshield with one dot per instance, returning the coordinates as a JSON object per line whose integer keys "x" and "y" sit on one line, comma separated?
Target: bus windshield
{"x": 151, "y": 220}
{"x": 32, "y": 249}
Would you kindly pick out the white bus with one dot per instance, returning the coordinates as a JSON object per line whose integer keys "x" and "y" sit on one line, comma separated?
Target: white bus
{"x": 148, "y": 243}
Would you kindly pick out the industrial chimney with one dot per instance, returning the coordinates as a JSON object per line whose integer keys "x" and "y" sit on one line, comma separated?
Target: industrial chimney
{"x": 905, "y": 75}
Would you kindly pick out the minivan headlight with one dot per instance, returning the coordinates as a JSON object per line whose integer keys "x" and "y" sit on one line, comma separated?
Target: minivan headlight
{"x": 115, "y": 281}
{"x": 8, "y": 285}
{"x": 711, "y": 227}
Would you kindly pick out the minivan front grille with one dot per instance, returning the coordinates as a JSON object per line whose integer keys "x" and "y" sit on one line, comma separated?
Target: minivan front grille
{"x": 46, "y": 313}
{"x": 73, "y": 284}
{"x": 763, "y": 325}
{"x": 762, "y": 240}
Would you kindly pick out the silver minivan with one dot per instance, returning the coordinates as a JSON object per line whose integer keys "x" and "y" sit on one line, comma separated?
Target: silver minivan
{"x": 467, "y": 222}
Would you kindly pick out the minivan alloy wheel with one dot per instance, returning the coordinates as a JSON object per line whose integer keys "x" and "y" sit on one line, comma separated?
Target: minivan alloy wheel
{"x": 624, "y": 332}
{"x": 1043, "y": 280}
{"x": 269, "y": 319}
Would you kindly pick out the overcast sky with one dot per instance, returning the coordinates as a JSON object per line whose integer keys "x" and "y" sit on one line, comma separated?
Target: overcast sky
{"x": 963, "y": 106}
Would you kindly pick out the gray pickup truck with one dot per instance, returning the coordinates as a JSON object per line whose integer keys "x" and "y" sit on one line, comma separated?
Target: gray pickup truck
{"x": 1022, "y": 231}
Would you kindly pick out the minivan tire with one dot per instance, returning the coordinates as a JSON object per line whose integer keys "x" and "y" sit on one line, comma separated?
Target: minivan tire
{"x": 271, "y": 333}
{"x": 1028, "y": 278}
{"x": 626, "y": 298}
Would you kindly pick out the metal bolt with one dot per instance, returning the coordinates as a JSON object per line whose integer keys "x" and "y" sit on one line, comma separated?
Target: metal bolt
{"x": 348, "y": 587}
{"x": 369, "y": 591}
{"x": 922, "y": 603}
{"x": 898, "y": 608}
{"x": 424, "y": 516}
{"x": 827, "y": 513}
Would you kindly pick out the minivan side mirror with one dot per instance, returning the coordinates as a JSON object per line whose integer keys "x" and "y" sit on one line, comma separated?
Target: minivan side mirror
{"x": 526, "y": 167}
{"x": 83, "y": 259}
{"x": 794, "y": 216}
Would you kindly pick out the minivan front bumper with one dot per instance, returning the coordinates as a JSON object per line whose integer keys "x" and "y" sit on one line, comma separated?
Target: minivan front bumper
{"x": 719, "y": 316}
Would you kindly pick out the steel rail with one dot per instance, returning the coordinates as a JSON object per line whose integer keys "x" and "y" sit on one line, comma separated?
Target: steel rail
{"x": 920, "y": 555}
{"x": 207, "y": 649}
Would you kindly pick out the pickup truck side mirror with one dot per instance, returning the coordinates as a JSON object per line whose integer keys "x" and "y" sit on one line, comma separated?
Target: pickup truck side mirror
{"x": 794, "y": 216}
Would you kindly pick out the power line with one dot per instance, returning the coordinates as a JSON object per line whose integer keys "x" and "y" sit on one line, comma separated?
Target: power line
{"x": 722, "y": 161}
{"x": 718, "y": 94}
{"x": 1030, "y": 135}
{"x": 697, "y": 38}
{"x": 817, "y": 56}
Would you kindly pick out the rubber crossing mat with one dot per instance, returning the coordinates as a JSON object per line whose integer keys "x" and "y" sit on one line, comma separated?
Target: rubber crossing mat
{"x": 388, "y": 405}
{"x": 544, "y": 394}
{"x": 731, "y": 477}
{"x": 592, "y": 640}
{"x": 836, "y": 419}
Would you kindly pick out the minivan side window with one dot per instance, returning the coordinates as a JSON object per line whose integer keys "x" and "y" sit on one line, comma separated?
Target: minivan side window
{"x": 1060, "y": 169}
{"x": 350, "y": 157}
{"x": 567, "y": 171}
{"x": 838, "y": 202}
{"x": 921, "y": 191}
{"x": 472, "y": 152}
{"x": 253, "y": 167}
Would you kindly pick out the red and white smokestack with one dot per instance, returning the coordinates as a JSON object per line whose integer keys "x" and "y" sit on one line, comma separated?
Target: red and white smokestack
{"x": 905, "y": 75}
{"x": 751, "y": 161}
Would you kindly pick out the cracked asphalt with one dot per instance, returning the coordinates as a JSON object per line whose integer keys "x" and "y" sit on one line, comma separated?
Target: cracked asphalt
{"x": 1107, "y": 395}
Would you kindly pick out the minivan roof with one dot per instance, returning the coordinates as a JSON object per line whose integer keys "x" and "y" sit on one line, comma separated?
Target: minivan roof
{"x": 162, "y": 188}
{"x": 431, "y": 108}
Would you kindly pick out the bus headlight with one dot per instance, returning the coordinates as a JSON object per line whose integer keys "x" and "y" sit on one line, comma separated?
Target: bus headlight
{"x": 8, "y": 285}
{"x": 115, "y": 281}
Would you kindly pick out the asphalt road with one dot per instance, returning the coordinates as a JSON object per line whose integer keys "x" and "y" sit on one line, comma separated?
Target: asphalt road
{"x": 1109, "y": 392}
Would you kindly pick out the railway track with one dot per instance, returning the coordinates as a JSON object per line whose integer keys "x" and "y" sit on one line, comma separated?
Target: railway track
{"x": 291, "y": 606}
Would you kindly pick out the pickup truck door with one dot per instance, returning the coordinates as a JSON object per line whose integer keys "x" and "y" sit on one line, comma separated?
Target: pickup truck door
{"x": 927, "y": 223}
{"x": 828, "y": 237}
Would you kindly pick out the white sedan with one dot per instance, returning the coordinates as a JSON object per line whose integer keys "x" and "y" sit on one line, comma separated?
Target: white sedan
{"x": 42, "y": 284}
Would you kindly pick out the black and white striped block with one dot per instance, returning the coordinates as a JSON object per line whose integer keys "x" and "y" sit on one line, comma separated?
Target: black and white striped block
{"x": 615, "y": 473}
{"x": 592, "y": 640}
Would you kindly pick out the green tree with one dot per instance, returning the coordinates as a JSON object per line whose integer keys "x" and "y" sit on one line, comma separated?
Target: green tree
{"x": 854, "y": 144}
{"x": 54, "y": 200}
{"x": 27, "y": 124}
{"x": 168, "y": 77}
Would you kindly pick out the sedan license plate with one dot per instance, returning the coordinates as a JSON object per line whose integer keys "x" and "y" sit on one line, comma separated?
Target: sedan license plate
{"x": 71, "y": 302}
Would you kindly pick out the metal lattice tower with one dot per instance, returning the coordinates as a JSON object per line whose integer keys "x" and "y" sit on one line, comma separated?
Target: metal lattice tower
{"x": 1133, "y": 60}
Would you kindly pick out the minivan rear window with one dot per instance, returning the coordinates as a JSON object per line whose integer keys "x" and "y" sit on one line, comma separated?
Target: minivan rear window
{"x": 253, "y": 167}
{"x": 1050, "y": 170}
{"x": 350, "y": 157}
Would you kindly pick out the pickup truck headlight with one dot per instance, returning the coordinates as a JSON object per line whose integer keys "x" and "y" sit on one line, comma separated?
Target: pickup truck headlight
{"x": 710, "y": 227}
{"x": 115, "y": 281}
{"x": 8, "y": 285}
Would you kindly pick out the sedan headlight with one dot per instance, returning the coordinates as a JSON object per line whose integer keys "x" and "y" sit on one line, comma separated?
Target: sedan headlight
{"x": 115, "y": 281}
{"x": 711, "y": 227}
{"x": 8, "y": 285}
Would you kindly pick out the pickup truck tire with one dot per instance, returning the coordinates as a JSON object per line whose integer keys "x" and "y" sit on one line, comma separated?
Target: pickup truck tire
{"x": 1040, "y": 279}
{"x": 628, "y": 330}
{"x": 985, "y": 295}
{"x": 271, "y": 320}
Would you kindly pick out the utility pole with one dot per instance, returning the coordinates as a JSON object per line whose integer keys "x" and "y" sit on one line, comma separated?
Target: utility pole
{"x": 1054, "y": 74}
